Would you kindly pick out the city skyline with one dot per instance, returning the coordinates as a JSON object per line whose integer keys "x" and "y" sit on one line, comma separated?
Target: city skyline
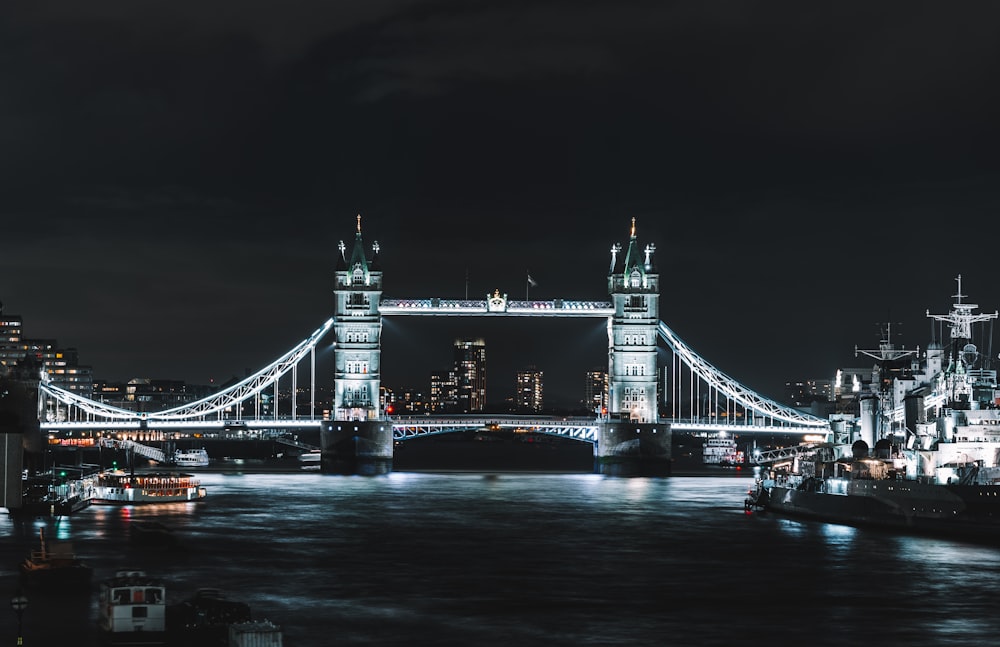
{"x": 175, "y": 181}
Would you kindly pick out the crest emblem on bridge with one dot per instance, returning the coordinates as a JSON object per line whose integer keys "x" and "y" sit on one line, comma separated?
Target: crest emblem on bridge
{"x": 496, "y": 302}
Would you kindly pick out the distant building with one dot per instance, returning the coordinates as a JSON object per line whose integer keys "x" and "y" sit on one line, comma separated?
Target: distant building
{"x": 470, "y": 374}
{"x": 62, "y": 365}
{"x": 803, "y": 393}
{"x": 595, "y": 390}
{"x": 529, "y": 390}
{"x": 444, "y": 392}
{"x": 410, "y": 401}
{"x": 144, "y": 394}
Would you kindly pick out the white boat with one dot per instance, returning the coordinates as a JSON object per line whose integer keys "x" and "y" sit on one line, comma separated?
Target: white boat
{"x": 310, "y": 460}
{"x": 119, "y": 488}
{"x": 721, "y": 450}
{"x": 133, "y": 609}
{"x": 191, "y": 458}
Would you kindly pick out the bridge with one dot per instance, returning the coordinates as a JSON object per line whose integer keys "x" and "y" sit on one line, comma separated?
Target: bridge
{"x": 631, "y": 432}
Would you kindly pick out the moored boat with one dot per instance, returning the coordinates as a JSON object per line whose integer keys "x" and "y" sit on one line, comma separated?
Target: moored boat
{"x": 721, "y": 450}
{"x": 117, "y": 487}
{"x": 310, "y": 460}
{"x": 923, "y": 455}
{"x": 132, "y": 609}
{"x": 191, "y": 458}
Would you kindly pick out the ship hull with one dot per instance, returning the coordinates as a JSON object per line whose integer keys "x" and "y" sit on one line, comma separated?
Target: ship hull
{"x": 958, "y": 511}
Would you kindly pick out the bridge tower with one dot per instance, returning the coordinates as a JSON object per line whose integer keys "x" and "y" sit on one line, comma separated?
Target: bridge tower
{"x": 631, "y": 441}
{"x": 357, "y": 440}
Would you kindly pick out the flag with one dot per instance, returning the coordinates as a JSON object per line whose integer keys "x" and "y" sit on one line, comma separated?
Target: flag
{"x": 532, "y": 282}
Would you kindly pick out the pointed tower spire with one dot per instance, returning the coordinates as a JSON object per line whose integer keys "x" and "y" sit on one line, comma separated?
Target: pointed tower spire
{"x": 358, "y": 253}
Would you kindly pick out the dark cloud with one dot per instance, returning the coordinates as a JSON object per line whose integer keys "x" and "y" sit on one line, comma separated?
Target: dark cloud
{"x": 175, "y": 176}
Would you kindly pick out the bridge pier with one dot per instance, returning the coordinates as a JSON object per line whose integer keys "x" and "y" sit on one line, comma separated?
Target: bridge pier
{"x": 626, "y": 448}
{"x": 356, "y": 447}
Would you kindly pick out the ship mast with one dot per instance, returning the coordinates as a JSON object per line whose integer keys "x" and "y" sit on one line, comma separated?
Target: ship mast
{"x": 961, "y": 317}
{"x": 962, "y": 358}
{"x": 884, "y": 357}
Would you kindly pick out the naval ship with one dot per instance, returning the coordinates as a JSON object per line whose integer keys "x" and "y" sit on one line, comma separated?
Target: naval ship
{"x": 924, "y": 453}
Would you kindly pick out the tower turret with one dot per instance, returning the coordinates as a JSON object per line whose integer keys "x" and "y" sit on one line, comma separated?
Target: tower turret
{"x": 357, "y": 328}
{"x": 634, "y": 286}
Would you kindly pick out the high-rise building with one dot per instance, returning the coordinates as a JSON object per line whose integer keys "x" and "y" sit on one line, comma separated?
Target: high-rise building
{"x": 595, "y": 391}
{"x": 529, "y": 390}
{"x": 470, "y": 374}
{"x": 62, "y": 365}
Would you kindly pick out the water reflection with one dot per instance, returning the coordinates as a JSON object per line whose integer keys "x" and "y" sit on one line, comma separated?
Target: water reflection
{"x": 536, "y": 559}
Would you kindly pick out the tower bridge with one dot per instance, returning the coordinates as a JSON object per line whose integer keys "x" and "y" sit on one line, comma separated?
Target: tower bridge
{"x": 631, "y": 438}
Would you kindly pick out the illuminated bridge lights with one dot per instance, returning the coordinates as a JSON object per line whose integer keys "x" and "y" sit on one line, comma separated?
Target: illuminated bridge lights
{"x": 557, "y": 308}
{"x": 763, "y": 415}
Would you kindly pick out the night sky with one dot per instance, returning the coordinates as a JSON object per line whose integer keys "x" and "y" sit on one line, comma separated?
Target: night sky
{"x": 175, "y": 177}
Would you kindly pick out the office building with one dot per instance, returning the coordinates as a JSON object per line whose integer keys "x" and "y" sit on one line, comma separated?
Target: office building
{"x": 470, "y": 374}
{"x": 529, "y": 390}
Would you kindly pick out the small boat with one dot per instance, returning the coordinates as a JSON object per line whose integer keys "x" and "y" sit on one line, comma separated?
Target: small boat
{"x": 133, "y": 609}
{"x": 191, "y": 458}
{"x": 115, "y": 487}
{"x": 310, "y": 460}
{"x": 55, "y": 567}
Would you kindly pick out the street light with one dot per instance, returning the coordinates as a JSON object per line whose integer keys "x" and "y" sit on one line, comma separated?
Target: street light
{"x": 19, "y": 603}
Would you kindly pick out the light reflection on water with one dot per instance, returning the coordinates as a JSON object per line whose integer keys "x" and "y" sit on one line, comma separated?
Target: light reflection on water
{"x": 535, "y": 559}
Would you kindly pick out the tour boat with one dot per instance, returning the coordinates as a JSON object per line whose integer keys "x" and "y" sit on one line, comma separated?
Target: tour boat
{"x": 119, "y": 488}
{"x": 55, "y": 567}
{"x": 925, "y": 455}
{"x": 721, "y": 450}
{"x": 191, "y": 458}
{"x": 132, "y": 609}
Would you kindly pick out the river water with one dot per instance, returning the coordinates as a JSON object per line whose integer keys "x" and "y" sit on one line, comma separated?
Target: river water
{"x": 547, "y": 559}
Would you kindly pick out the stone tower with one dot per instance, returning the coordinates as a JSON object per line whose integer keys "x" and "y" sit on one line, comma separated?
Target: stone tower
{"x": 634, "y": 286}
{"x": 631, "y": 441}
{"x": 357, "y": 331}
{"x": 358, "y": 440}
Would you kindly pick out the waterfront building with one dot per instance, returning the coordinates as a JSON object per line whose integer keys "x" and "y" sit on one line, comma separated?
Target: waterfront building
{"x": 62, "y": 365}
{"x": 529, "y": 390}
{"x": 470, "y": 374}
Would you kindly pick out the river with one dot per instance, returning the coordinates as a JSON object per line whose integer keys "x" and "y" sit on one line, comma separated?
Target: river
{"x": 514, "y": 558}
